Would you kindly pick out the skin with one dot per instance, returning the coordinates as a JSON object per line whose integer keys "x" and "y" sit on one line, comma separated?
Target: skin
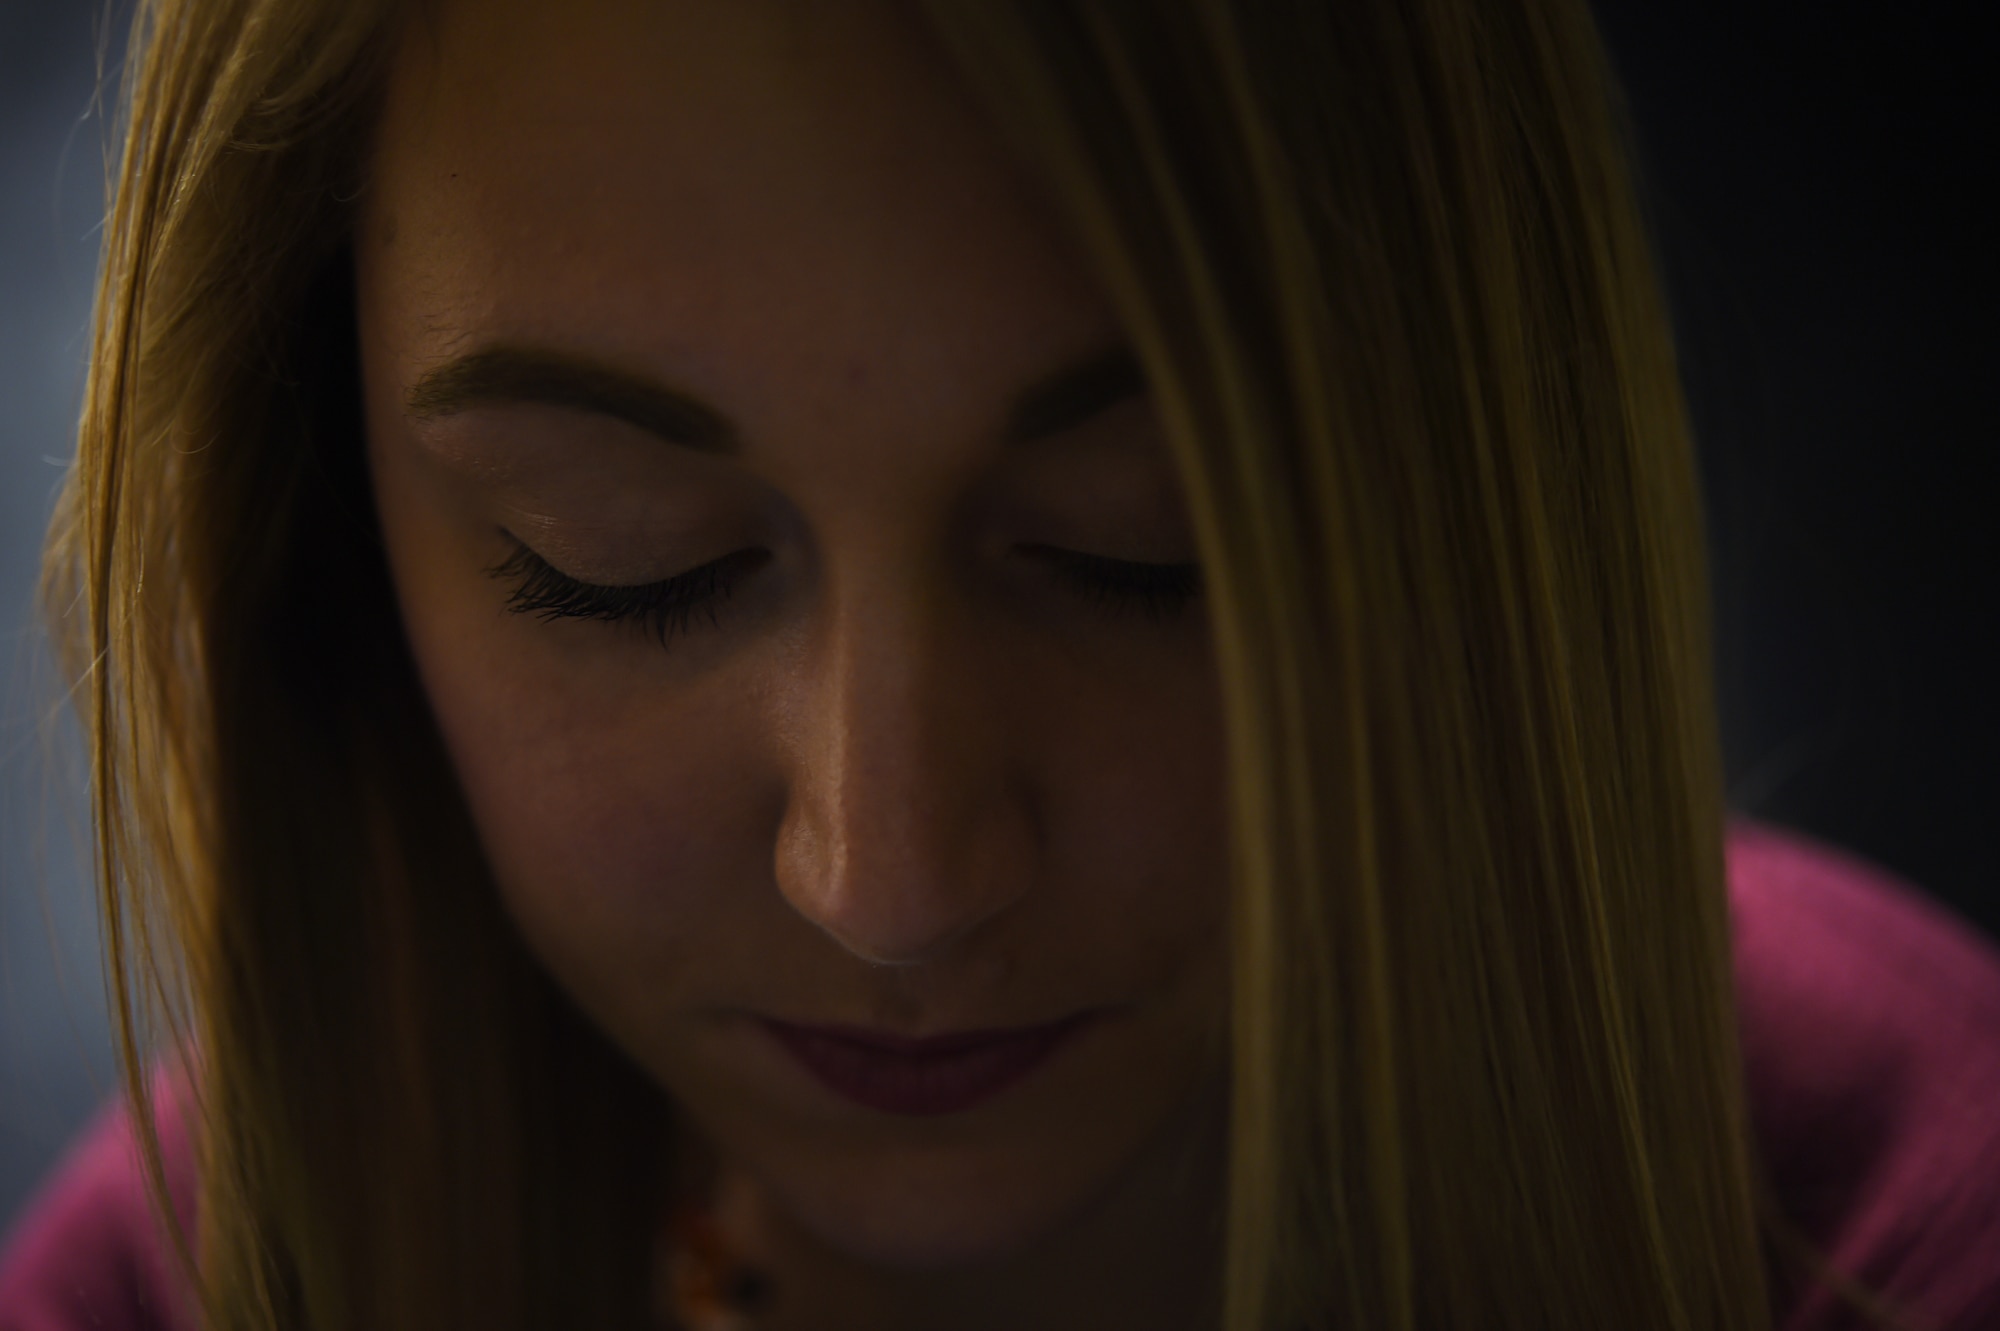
{"x": 904, "y": 778}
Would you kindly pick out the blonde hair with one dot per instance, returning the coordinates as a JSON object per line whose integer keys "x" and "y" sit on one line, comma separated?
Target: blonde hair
{"x": 1381, "y": 262}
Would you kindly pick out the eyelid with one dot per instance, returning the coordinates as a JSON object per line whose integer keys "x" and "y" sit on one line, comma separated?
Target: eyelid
{"x": 1110, "y": 586}
{"x": 664, "y": 607}
{"x": 1117, "y": 587}
{"x": 561, "y": 546}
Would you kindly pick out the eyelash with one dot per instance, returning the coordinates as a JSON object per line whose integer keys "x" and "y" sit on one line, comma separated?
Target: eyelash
{"x": 1119, "y": 587}
{"x": 1112, "y": 587}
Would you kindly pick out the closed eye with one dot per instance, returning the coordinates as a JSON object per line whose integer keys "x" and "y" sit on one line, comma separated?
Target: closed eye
{"x": 668, "y": 608}
{"x": 663, "y": 609}
{"x": 1117, "y": 587}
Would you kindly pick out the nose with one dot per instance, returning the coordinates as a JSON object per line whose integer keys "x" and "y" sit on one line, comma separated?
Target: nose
{"x": 907, "y": 823}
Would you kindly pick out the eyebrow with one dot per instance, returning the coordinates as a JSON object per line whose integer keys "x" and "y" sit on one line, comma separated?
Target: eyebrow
{"x": 530, "y": 376}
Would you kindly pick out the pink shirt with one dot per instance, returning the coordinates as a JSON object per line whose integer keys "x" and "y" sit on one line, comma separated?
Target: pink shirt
{"x": 1871, "y": 1033}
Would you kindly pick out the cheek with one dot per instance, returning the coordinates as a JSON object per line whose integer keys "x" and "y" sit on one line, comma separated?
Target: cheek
{"x": 1146, "y": 781}
{"x": 616, "y": 812}
{"x": 588, "y": 809}
{"x": 1148, "y": 826}
{"x": 610, "y": 831}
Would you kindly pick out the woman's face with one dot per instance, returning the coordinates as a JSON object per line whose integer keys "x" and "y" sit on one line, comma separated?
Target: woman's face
{"x": 796, "y": 570}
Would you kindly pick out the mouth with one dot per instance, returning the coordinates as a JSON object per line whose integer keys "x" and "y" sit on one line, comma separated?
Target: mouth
{"x": 942, "y": 1074}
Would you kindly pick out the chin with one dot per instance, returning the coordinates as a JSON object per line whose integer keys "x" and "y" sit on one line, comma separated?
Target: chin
{"x": 1107, "y": 1139}
{"x": 935, "y": 1214}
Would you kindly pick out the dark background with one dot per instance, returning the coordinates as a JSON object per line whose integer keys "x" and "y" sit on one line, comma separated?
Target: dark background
{"x": 1818, "y": 176}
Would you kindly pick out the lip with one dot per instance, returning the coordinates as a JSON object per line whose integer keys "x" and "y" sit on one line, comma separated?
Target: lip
{"x": 927, "y": 1077}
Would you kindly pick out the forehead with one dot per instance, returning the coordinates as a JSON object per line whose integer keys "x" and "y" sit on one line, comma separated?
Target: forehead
{"x": 701, "y": 181}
